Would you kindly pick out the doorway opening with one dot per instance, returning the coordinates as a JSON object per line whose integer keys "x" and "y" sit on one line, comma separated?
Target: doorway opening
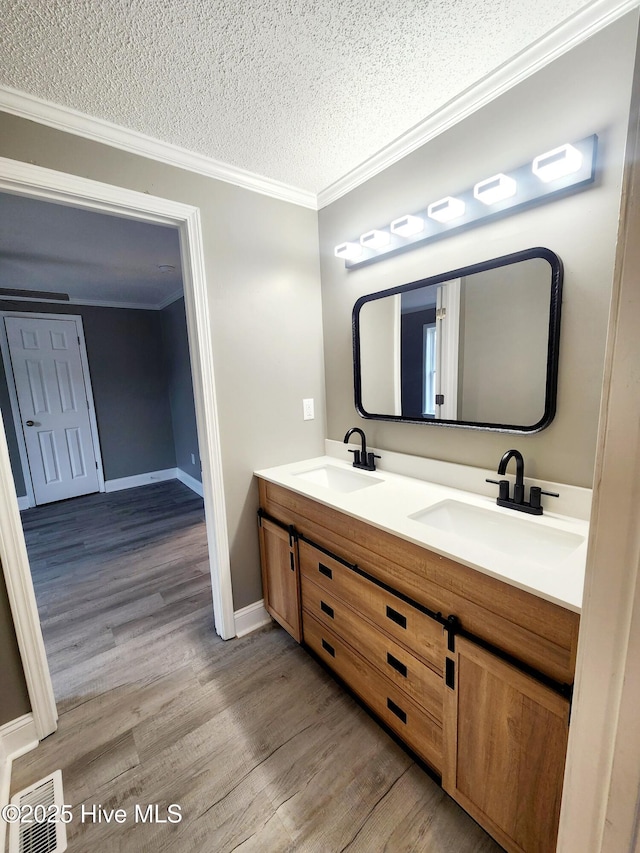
{"x": 34, "y": 182}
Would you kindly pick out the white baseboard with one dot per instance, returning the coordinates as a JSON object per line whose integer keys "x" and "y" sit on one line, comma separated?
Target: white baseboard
{"x": 250, "y": 618}
{"x": 191, "y": 482}
{"x": 139, "y": 480}
{"x": 23, "y": 503}
{"x": 16, "y": 737}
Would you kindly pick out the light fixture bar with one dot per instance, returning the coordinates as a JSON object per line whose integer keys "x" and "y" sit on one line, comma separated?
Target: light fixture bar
{"x": 559, "y": 171}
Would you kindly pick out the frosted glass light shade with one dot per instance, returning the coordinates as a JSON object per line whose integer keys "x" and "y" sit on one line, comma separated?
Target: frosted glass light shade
{"x": 446, "y": 209}
{"x": 557, "y": 163}
{"x": 495, "y": 189}
{"x": 375, "y": 239}
{"x": 348, "y": 251}
{"x": 407, "y": 226}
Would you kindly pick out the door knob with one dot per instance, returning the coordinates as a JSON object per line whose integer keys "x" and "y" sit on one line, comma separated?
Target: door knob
{"x": 30, "y": 423}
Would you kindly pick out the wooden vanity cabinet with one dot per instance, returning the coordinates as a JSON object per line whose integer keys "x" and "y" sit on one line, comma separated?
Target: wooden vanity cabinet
{"x": 478, "y": 707}
{"x": 280, "y": 575}
{"x": 372, "y": 639}
{"x": 505, "y": 736}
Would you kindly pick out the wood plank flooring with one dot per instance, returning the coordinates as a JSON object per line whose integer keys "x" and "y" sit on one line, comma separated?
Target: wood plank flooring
{"x": 259, "y": 746}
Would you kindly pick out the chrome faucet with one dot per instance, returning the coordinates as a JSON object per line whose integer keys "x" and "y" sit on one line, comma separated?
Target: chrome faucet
{"x": 361, "y": 459}
{"x": 533, "y": 505}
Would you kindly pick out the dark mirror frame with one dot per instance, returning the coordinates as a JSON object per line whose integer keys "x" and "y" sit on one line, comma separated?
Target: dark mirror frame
{"x": 552, "y": 344}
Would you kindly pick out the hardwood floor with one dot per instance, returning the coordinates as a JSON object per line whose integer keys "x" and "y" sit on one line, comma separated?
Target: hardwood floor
{"x": 259, "y": 746}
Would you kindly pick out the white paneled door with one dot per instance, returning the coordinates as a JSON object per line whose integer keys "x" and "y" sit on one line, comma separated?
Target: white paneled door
{"x": 54, "y": 410}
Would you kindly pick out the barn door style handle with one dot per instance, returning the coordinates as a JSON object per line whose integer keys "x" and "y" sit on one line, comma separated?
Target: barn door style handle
{"x": 30, "y": 423}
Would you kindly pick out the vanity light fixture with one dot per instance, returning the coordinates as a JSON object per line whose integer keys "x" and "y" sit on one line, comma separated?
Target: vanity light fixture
{"x": 375, "y": 239}
{"x": 568, "y": 168}
{"x": 407, "y": 226}
{"x": 446, "y": 209}
{"x": 348, "y": 251}
{"x": 495, "y": 189}
{"x": 555, "y": 164}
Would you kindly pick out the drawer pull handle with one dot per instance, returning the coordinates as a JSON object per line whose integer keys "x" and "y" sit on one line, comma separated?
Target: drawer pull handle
{"x": 326, "y": 609}
{"x": 397, "y": 710}
{"x": 325, "y": 570}
{"x": 397, "y": 665}
{"x": 396, "y": 617}
{"x": 328, "y": 648}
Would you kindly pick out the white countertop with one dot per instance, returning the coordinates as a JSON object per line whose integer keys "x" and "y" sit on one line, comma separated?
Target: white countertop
{"x": 394, "y": 498}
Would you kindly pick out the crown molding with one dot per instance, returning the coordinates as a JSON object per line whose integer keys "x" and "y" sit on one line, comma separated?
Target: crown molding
{"x": 575, "y": 30}
{"x": 98, "y": 130}
{"x": 173, "y": 297}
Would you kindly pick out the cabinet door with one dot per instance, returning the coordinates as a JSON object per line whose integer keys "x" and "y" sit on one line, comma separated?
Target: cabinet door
{"x": 280, "y": 576}
{"x": 505, "y": 739}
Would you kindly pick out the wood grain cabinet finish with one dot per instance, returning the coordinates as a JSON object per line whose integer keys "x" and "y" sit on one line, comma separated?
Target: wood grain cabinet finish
{"x": 364, "y": 603}
{"x": 280, "y": 576}
{"x": 389, "y": 612}
{"x": 537, "y": 632}
{"x": 392, "y": 705}
{"x": 505, "y": 738}
{"x": 393, "y": 660}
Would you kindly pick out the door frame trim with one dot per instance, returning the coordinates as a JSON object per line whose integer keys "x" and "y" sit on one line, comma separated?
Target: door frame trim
{"x": 46, "y": 184}
{"x": 15, "y": 406}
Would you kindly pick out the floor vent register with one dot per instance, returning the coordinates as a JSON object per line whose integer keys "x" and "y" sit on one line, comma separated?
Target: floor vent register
{"x": 40, "y": 828}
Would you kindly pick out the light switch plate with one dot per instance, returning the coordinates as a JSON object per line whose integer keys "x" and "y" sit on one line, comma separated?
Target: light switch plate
{"x": 307, "y": 409}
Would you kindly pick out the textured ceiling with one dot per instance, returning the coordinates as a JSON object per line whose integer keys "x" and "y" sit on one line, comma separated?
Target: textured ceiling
{"x": 93, "y": 257}
{"x": 299, "y": 91}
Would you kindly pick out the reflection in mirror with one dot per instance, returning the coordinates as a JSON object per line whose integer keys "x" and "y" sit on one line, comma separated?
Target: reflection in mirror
{"x": 475, "y": 347}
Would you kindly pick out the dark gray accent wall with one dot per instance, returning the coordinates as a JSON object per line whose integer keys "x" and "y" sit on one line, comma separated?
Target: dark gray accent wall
{"x": 14, "y": 698}
{"x": 180, "y": 386}
{"x": 127, "y": 366}
{"x": 129, "y": 381}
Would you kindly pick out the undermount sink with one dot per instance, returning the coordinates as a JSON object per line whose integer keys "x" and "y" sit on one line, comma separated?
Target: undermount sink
{"x": 507, "y": 534}
{"x": 338, "y": 479}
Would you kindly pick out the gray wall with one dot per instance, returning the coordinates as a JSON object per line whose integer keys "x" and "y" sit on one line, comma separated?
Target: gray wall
{"x": 180, "y": 388}
{"x": 586, "y": 91}
{"x": 14, "y": 699}
{"x": 379, "y": 359}
{"x": 261, "y": 261}
{"x": 127, "y": 367}
{"x": 504, "y": 327}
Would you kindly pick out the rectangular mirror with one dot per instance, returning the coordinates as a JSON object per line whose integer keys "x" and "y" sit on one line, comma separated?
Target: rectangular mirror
{"x": 475, "y": 347}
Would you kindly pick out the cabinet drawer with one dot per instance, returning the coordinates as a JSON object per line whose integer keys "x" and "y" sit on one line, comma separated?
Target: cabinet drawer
{"x": 401, "y": 714}
{"x": 412, "y": 676}
{"x": 397, "y": 618}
